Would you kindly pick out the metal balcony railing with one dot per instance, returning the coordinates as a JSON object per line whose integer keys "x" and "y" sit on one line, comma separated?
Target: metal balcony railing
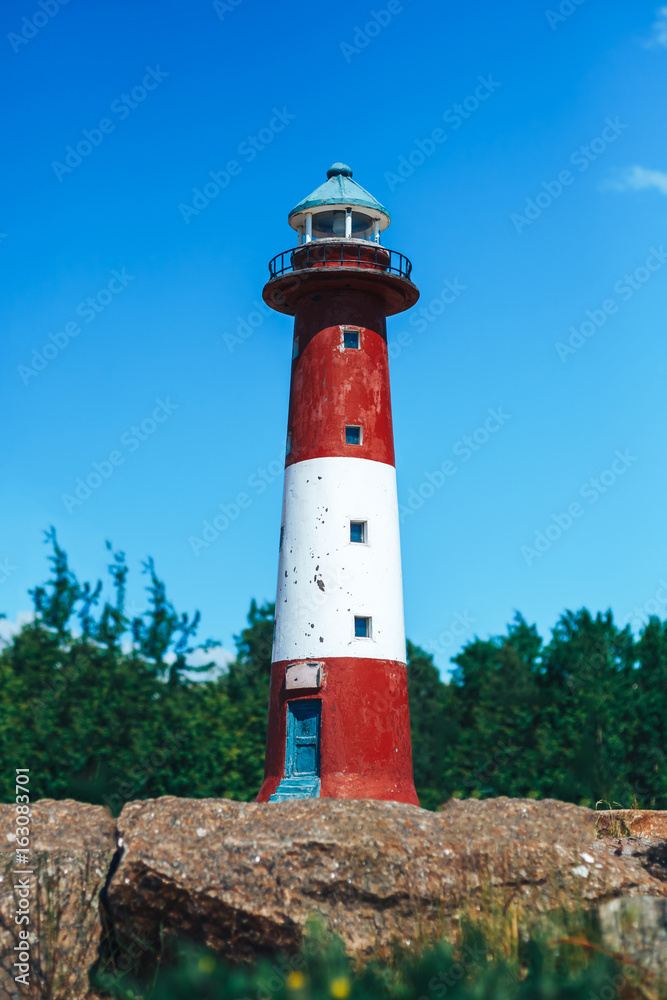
{"x": 319, "y": 254}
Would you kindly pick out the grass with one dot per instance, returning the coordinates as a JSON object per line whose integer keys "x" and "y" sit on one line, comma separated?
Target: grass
{"x": 614, "y": 825}
{"x": 559, "y": 959}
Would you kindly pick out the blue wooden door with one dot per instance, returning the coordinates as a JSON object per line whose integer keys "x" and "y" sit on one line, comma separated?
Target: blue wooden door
{"x": 303, "y": 738}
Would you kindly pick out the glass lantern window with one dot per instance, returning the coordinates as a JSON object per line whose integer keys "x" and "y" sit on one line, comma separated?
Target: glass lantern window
{"x": 362, "y": 226}
{"x": 329, "y": 225}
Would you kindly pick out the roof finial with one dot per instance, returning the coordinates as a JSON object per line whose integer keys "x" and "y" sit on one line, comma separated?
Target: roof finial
{"x": 339, "y": 170}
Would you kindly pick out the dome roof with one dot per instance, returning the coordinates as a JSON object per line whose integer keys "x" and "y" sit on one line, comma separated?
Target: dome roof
{"x": 340, "y": 189}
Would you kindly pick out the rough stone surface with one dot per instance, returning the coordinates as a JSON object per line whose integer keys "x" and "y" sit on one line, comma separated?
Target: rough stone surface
{"x": 632, "y": 823}
{"x": 71, "y": 848}
{"x": 651, "y": 854}
{"x": 546, "y": 820}
{"x": 244, "y": 877}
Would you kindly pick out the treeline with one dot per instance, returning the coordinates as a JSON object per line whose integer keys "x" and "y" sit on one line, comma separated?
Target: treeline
{"x": 105, "y": 708}
{"x": 582, "y": 717}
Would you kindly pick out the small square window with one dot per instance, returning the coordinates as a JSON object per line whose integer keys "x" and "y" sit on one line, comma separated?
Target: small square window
{"x": 362, "y": 627}
{"x": 288, "y": 446}
{"x": 351, "y": 339}
{"x": 358, "y": 531}
{"x": 295, "y": 348}
{"x": 352, "y": 435}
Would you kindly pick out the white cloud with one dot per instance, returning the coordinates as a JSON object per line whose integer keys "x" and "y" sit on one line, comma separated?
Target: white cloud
{"x": 659, "y": 30}
{"x": 9, "y": 629}
{"x": 638, "y": 179}
{"x": 218, "y": 656}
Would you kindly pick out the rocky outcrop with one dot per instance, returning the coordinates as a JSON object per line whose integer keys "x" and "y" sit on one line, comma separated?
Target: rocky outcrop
{"x": 243, "y": 878}
{"x": 71, "y": 848}
{"x": 651, "y": 854}
{"x": 650, "y": 823}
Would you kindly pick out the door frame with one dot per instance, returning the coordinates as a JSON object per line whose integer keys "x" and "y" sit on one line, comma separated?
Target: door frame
{"x": 290, "y": 742}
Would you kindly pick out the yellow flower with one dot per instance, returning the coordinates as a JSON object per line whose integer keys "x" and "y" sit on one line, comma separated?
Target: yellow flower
{"x": 340, "y": 987}
{"x": 295, "y": 981}
{"x": 206, "y": 963}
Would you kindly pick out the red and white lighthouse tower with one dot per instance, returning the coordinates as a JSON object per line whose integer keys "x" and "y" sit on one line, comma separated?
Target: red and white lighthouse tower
{"x": 339, "y": 722}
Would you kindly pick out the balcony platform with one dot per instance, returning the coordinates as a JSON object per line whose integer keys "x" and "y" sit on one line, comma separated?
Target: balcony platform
{"x": 313, "y": 268}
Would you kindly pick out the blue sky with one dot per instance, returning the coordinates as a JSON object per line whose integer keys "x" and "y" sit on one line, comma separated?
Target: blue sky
{"x": 521, "y": 151}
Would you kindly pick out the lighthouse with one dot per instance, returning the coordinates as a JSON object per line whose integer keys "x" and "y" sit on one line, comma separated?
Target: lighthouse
{"x": 339, "y": 720}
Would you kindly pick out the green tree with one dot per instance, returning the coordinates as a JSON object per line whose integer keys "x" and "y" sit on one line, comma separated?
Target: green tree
{"x": 105, "y": 709}
{"x": 647, "y": 763}
{"x": 589, "y": 718}
{"x": 495, "y": 703}
{"x": 430, "y": 725}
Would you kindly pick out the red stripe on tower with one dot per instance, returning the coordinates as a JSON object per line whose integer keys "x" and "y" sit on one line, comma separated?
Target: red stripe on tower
{"x": 334, "y": 387}
{"x": 339, "y": 722}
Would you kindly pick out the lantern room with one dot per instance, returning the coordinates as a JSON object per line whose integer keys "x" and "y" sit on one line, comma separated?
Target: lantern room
{"x": 339, "y": 209}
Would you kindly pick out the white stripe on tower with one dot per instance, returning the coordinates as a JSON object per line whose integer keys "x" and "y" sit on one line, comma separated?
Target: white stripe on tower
{"x": 324, "y": 578}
